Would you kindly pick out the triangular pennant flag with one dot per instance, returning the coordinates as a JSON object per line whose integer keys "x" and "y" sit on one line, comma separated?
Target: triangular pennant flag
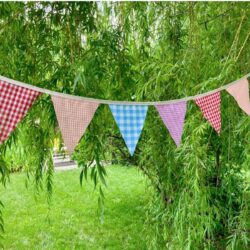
{"x": 130, "y": 120}
{"x": 15, "y": 102}
{"x": 210, "y": 107}
{"x": 73, "y": 118}
{"x": 240, "y": 92}
{"x": 173, "y": 116}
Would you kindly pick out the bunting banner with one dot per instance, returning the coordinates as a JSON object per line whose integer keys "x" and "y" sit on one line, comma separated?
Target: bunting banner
{"x": 240, "y": 92}
{"x": 210, "y": 107}
{"x": 130, "y": 120}
{"x": 173, "y": 116}
{"x": 74, "y": 113}
{"x": 73, "y": 118}
{"x": 15, "y": 101}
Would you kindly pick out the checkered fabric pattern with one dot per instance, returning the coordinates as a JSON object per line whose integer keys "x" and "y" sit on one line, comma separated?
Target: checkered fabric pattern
{"x": 173, "y": 116}
{"x": 15, "y": 101}
{"x": 73, "y": 118}
{"x": 210, "y": 107}
{"x": 240, "y": 92}
{"x": 130, "y": 120}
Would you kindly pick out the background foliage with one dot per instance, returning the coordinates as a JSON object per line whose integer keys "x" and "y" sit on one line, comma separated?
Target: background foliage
{"x": 140, "y": 51}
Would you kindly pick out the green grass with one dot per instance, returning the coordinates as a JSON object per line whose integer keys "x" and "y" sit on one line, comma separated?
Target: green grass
{"x": 73, "y": 220}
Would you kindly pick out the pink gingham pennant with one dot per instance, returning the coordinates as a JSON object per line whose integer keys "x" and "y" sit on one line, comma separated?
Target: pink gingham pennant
{"x": 210, "y": 107}
{"x": 173, "y": 116}
{"x": 240, "y": 92}
{"x": 15, "y": 102}
{"x": 73, "y": 117}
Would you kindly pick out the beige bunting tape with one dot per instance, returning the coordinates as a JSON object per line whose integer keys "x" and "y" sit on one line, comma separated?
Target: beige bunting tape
{"x": 102, "y": 101}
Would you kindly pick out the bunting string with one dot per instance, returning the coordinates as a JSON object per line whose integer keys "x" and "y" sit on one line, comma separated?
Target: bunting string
{"x": 74, "y": 113}
{"x": 103, "y": 101}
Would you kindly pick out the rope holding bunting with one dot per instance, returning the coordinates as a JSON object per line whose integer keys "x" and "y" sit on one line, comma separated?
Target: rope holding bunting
{"x": 74, "y": 113}
{"x": 102, "y": 101}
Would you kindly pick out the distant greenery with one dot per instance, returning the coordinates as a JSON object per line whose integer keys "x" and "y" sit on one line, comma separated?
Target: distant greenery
{"x": 72, "y": 222}
{"x": 140, "y": 51}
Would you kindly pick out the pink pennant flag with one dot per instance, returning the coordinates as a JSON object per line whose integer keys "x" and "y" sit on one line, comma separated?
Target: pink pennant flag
{"x": 15, "y": 102}
{"x": 240, "y": 92}
{"x": 73, "y": 117}
{"x": 173, "y": 116}
{"x": 210, "y": 107}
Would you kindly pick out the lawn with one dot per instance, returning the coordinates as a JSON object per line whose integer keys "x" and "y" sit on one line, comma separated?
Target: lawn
{"x": 73, "y": 220}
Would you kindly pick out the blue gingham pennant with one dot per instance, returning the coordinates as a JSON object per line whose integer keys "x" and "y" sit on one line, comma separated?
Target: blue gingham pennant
{"x": 130, "y": 120}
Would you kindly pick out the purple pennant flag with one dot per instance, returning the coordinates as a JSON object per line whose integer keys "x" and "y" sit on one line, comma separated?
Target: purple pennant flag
{"x": 173, "y": 116}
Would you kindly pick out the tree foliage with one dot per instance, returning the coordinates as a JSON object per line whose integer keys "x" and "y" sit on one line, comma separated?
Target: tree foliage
{"x": 140, "y": 51}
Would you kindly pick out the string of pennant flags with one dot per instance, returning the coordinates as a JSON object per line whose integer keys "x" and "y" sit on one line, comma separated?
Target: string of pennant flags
{"x": 74, "y": 113}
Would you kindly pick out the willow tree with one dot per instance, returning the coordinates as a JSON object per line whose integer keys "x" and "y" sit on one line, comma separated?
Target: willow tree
{"x": 140, "y": 51}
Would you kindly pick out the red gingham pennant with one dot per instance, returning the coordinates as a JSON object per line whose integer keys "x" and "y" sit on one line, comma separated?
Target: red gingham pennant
{"x": 210, "y": 107}
{"x": 15, "y": 101}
